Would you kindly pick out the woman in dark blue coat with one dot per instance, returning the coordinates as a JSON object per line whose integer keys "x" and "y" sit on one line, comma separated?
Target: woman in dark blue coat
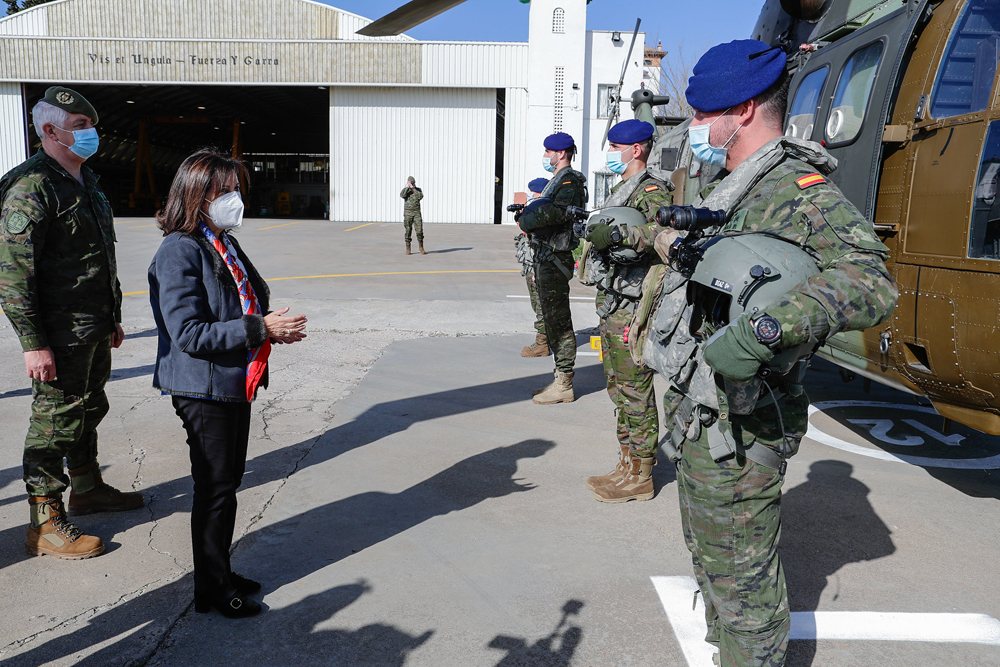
{"x": 215, "y": 333}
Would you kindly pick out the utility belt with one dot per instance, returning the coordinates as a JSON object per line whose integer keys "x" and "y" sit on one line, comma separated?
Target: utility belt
{"x": 543, "y": 253}
{"x": 740, "y": 399}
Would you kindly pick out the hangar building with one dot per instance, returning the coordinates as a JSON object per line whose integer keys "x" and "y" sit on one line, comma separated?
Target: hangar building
{"x": 329, "y": 123}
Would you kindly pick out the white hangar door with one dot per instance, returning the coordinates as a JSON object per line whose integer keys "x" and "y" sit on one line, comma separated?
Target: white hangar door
{"x": 13, "y": 146}
{"x": 444, "y": 137}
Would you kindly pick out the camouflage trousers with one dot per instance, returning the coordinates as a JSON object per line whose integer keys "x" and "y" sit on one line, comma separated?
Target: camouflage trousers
{"x": 65, "y": 413}
{"x": 411, "y": 220}
{"x": 731, "y": 518}
{"x": 535, "y": 304}
{"x": 553, "y": 297}
{"x": 630, "y": 386}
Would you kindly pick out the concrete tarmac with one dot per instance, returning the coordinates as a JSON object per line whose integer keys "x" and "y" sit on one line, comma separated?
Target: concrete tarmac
{"x": 406, "y": 503}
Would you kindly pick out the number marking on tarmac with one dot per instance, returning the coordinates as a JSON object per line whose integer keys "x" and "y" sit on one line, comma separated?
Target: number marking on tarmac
{"x": 688, "y": 622}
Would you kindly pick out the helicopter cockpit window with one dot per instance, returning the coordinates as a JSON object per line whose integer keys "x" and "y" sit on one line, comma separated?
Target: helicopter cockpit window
{"x": 965, "y": 78}
{"x": 854, "y": 91}
{"x": 984, "y": 234}
{"x": 806, "y": 104}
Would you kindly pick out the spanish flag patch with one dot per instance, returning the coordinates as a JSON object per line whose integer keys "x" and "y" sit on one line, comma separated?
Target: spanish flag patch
{"x": 652, "y": 187}
{"x": 811, "y": 179}
{"x": 567, "y": 182}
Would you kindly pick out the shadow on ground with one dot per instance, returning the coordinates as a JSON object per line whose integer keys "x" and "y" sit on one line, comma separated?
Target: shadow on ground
{"x": 129, "y": 631}
{"x": 827, "y": 523}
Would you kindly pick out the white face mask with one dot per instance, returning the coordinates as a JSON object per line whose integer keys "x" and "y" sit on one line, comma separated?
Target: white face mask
{"x": 226, "y": 211}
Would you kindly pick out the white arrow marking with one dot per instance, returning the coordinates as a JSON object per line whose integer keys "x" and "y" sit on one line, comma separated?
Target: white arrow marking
{"x": 953, "y": 440}
{"x": 677, "y": 594}
{"x": 879, "y": 428}
{"x": 814, "y": 433}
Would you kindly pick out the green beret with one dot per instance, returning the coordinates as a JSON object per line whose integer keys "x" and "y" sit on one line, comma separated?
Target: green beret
{"x": 69, "y": 100}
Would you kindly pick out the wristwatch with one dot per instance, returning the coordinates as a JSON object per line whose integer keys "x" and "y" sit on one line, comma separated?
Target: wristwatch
{"x": 768, "y": 330}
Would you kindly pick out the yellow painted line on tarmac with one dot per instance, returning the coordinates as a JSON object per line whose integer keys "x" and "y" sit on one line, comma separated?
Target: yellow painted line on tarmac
{"x": 362, "y": 275}
{"x": 389, "y": 273}
{"x": 141, "y": 226}
{"x": 285, "y": 225}
{"x": 359, "y": 226}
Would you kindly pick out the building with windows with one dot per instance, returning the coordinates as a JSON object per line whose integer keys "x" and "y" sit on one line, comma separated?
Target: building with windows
{"x": 329, "y": 123}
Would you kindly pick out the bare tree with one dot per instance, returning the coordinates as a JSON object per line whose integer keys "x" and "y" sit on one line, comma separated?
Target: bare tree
{"x": 676, "y": 68}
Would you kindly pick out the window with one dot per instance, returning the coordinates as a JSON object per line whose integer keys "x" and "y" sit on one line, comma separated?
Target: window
{"x": 606, "y": 93}
{"x": 806, "y": 104}
{"x": 984, "y": 234}
{"x": 559, "y": 20}
{"x": 603, "y": 181}
{"x": 965, "y": 78}
{"x": 854, "y": 91}
{"x": 557, "y": 111}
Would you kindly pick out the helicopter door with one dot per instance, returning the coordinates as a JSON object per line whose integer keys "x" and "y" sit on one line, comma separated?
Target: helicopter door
{"x": 855, "y": 100}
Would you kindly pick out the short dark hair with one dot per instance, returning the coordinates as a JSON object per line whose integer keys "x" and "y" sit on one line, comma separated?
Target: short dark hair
{"x": 773, "y": 102}
{"x": 194, "y": 179}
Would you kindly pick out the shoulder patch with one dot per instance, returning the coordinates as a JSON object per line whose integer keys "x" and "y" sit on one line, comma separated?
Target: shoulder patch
{"x": 810, "y": 180}
{"x": 650, "y": 188}
{"x": 15, "y": 222}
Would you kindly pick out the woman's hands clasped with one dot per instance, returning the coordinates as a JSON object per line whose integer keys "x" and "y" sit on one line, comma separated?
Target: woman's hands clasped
{"x": 285, "y": 329}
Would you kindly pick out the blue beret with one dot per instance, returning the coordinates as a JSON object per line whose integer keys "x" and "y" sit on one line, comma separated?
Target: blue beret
{"x": 538, "y": 184}
{"x": 559, "y": 141}
{"x": 730, "y": 74}
{"x": 632, "y": 131}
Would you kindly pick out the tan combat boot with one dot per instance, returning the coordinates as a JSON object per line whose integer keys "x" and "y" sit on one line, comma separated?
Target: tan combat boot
{"x": 407, "y": 248}
{"x": 422, "y": 251}
{"x": 614, "y": 475}
{"x": 540, "y": 348}
{"x": 51, "y": 534}
{"x": 635, "y": 484}
{"x": 560, "y": 391}
{"x": 90, "y": 494}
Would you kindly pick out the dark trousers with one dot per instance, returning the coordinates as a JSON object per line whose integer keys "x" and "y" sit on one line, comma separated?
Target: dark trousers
{"x": 217, "y": 433}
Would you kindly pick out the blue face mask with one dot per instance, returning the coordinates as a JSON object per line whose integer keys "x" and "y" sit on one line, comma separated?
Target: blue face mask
{"x": 85, "y": 142}
{"x": 615, "y": 164}
{"x": 547, "y": 164}
{"x": 702, "y": 147}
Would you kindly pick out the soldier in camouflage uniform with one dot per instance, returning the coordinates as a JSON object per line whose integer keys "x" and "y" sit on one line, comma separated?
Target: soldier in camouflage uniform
{"x": 731, "y": 465}
{"x": 412, "y": 195}
{"x": 60, "y": 290}
{"x": 630, "y": 384}
{"x": 550, "y": 231}
{"x": 540, "y": 348}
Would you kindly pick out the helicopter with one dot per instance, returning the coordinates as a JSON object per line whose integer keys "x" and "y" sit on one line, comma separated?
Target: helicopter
{"x": 903, "y": 94}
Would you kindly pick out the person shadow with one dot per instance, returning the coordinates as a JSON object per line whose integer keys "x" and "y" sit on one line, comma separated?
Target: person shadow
{"x": 287, "y": 551}
{"x": 554, "y": 650}
{"x": 827, "y": 523}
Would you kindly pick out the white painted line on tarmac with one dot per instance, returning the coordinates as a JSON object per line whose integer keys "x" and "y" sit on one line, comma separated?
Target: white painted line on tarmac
{"x": 588, "y": 354}
{"x": 572, "y": 298}
{"x": 677, "y": 595}
{"x": 902, "y": 627}
{"x": 814, "y": 433}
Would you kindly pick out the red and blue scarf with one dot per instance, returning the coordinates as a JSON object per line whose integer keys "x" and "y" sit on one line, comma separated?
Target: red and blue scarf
{"x": 256, "y": 357}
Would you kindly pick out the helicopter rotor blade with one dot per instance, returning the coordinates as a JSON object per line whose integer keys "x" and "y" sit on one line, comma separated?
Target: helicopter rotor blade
{"x": 409, "y": 15}
{"x": 613, "y": 116}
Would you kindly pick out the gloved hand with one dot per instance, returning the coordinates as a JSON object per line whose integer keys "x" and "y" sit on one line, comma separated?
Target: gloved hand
{"x": 600, "y": 236}
{"x": 737, "y": 354}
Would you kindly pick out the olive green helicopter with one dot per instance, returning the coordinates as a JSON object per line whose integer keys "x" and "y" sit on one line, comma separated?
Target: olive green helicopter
{"x": 904, "y": 94}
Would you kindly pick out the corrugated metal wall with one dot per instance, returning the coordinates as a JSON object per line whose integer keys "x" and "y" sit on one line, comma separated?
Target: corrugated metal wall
{"x": 471, "y": 64}
{"x": 12, "y": 139}
{"x": 516, "y": 157}
{"x": 444, "y": 137}
{"x": 32, "y": 22}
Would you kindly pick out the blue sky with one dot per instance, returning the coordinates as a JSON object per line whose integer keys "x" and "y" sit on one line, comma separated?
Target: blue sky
{"x": 678, "y": 23}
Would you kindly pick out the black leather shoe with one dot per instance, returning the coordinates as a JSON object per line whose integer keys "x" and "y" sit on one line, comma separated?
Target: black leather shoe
{"x": 243, "y": 585}
{"x": 233, "y": 607}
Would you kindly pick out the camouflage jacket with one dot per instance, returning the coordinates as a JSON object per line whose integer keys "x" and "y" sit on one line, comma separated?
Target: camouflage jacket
{"x": 647, "y": 198}
{"x": 853, "y": 290}
{"x": 58, "y": 274}
{"x": 567, "y": 188}
{"x": 412, "y": 196}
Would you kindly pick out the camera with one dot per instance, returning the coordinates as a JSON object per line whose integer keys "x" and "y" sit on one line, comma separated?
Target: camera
{"x": 685, "y": 218}
{"x": 515, "y": 208}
